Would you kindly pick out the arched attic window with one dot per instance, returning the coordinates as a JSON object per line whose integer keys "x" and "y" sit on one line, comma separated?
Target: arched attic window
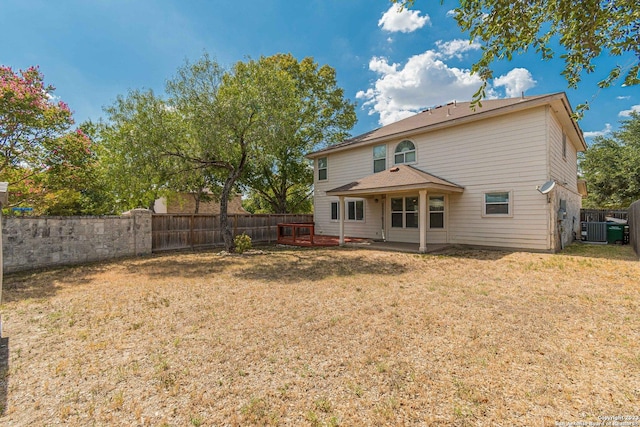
{"x": 405, "y": 152}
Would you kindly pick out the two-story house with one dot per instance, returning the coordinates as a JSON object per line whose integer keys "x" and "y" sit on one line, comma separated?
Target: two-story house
{"x": 502, "y": 175}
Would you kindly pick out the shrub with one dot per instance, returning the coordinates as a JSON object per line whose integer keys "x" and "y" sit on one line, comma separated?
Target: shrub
{"x": 242, "y": 243}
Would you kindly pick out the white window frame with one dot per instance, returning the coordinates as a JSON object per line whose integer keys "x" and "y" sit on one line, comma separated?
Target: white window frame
{"x": 354, "y": 203}
{"x": 442, "y": 212}
{"x": 509, "y": 202}
{"x": 325, "y": 168}
{"x": 337, "y": 205}
{"x": 404, "y": 154}
{"x": 404, "y": 212}
{"x": 384, "y": 159}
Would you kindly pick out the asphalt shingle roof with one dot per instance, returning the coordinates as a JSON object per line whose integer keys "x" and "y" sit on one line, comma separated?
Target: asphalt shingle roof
{"x": 401, "y": 177}
{"x": 446, "y": 115}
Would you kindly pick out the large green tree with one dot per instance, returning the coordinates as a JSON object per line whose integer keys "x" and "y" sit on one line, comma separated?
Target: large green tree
{"x": 212, "y": 124}
{"x": 611, "y": 167}
{"x": 132, "y": 150}
{"x": 317, "y": 114}
{"x": 299, "y": 200}
{"x": 247, "y": 127}
{"x": 233, "y": 120}
{"x": 584, "y": 30}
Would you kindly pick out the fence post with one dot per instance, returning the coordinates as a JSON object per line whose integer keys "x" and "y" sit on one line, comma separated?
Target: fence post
{"x": 235, "y": 225}
{"x": 634, "y": 226}
{"x": 191, "y": 231}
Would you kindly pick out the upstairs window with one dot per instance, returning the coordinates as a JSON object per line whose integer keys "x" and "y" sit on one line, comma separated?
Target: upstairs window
{"x": 564, "y": 146}
{"x": 322, "y": 169}
{"x": 405, "y": 152}
{"x": 379, "y": 158}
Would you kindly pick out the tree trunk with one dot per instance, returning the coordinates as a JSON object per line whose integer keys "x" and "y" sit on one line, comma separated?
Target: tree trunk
{"x": 196, "y": 196}
{"x": 234, "y": 174}
{"x": 225, "y": 228}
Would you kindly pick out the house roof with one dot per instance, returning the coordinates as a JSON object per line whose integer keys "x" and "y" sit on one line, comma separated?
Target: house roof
{"x": 398, "y": 178}
{"x": 457, "y": 113}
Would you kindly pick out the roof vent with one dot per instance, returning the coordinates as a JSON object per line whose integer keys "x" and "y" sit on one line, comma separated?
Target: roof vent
{"x": 396, "y": 169}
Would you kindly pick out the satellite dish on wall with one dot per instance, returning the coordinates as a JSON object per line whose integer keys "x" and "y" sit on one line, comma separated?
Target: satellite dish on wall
{"x": 547, "y": 187}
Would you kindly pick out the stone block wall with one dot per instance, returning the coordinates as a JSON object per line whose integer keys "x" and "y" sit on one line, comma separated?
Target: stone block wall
{"x": 35, "y": 242}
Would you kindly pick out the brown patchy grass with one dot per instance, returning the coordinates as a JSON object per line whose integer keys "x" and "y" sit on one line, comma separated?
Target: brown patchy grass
{"x": 327, "y": 337}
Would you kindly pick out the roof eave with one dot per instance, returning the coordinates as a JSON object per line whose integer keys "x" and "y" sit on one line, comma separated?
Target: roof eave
{"x": 574, "y": 123}
{"x": 396, "y": 189}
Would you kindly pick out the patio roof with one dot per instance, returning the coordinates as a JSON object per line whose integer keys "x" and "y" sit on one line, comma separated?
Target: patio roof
{"x": 400, "y": 178}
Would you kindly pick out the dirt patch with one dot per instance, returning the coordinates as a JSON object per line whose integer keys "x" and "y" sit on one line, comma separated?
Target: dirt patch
{"x": 326, "y": 337}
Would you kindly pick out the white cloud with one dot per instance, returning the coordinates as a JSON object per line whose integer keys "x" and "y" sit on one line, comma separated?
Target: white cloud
{"x": 623, "y": 97}
{"x": 455, "y": 48}
{"x": 515, "y": 82}
{"x": 406, "y": 21}
{"x": 425, "y": 80}
{"x": 627, "y": 113}
{"x": 593, "y": 134}
{"x": 451, "y": 13}
{"x": 380, "y": 65}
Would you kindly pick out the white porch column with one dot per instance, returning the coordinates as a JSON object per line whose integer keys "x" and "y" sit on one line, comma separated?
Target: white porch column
{"x": 422, "y": 223}
{"x": 342, "y": 215}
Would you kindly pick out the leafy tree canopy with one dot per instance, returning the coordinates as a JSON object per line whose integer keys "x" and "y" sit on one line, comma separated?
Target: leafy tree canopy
{"x": 234, "y": 120}
{"x": 131, "y": 147}
{"x": 584, "y": 29}
{"x": 611, "y": 167}
{"x": 316, "y": 114}
{"x": 224, "y": 129}
{"x": 45, "y": 162}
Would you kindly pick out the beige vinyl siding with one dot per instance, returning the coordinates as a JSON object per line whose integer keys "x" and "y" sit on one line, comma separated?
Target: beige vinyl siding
{"x": 507, "y": 153}
{"x": 501, "y": 154}
{"x": 563, "y": 171}
{"x": 369, "y": 228}
{"x": 343, "y": 168}
{"x": 407, "y": 235}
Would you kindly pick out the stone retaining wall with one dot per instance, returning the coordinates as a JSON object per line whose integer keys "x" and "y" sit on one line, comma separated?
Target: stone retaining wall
{"x": 35, "y": 242}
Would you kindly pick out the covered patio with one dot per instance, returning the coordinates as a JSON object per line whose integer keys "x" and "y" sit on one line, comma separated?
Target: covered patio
{"x": 398, "y": 180}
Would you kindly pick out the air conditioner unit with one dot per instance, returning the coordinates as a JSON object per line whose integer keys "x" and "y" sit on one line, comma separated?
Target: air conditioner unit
{"x": 593, "y": 232}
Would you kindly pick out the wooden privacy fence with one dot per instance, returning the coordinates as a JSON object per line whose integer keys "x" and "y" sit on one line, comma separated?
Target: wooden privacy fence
{"x": 599, "y": 215}
{"x": 634, "y": 226}
{"x": 190, "y": 231}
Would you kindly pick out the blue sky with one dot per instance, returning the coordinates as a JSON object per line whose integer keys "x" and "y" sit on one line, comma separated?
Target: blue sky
{"x": 390, "y": 64}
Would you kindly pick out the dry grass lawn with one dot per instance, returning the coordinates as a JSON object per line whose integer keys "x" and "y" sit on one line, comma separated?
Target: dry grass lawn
{"x": 327, "y": 337}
